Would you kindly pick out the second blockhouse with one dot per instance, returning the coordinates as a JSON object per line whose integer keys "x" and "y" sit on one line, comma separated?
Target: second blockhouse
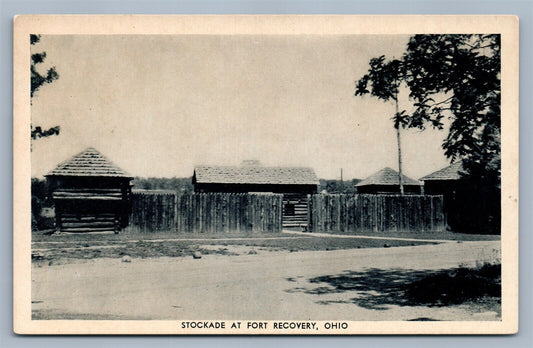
{"x": 295, "y": 183}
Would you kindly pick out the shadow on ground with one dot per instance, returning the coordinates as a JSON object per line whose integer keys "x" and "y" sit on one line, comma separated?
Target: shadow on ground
{"x": 377, "y": 288}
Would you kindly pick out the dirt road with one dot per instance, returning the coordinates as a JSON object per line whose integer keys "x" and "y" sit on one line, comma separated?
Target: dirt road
{"x": 268, "y": 285}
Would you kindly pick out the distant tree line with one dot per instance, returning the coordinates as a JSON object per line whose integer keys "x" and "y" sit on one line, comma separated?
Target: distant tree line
{"x": 337, "y": 186}
{"x": 180, "y": 185}
{"x": 184, "y": 185}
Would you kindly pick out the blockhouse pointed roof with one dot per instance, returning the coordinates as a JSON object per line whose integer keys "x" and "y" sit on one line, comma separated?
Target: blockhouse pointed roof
{"x": 89, "y": 162}
{"x": 387, "y": 176}
{"x": 451, "y": 172}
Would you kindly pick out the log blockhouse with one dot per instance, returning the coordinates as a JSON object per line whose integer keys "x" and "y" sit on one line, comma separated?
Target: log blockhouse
{"x": 446, "y": 182}
{"x": 470, "y": 204}
{"x": 443, "y": 181}
{"x": 295, "y": 183}
{"x": 90, "y": 194}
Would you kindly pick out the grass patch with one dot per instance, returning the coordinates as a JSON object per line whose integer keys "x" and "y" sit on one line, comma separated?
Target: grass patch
{"x": 465, "y": 237}
{"x": 50, "y": 250}
{"x": 39, "y": 236}
{"x": 456, "y": 286}
{"x": 323, "y": 243}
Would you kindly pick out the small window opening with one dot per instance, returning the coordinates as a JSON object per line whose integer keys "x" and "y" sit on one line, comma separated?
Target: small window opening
{"x": 289, "y": 209}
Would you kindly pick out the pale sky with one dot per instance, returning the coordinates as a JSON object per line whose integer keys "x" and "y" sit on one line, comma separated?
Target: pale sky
{"x": 159, "y": 105}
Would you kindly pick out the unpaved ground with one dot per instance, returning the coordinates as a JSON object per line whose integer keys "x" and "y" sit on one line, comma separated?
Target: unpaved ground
{"x": 266, "y": 285}
{"x": 67, "y": 248}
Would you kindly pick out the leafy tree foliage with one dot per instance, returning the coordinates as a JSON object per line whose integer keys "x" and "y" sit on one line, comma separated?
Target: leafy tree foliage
{"x": 455, "y": 77}
{"x": 448, "y": 76}
{"x": 466, "y": 69}
{"x": 384, "y": 79}
{"x": 38, "y": 80}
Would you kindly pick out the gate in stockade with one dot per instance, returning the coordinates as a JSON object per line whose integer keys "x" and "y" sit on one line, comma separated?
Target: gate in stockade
{"x": 337, "y": 213}
{"x": 210, "y": 213}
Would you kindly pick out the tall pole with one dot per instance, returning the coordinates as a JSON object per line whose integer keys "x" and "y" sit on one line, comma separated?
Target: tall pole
{"x": 397, "y": 125}
{"x": 342, "y": 183}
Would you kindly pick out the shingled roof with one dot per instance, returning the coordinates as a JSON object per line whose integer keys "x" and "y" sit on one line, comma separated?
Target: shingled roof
{"x": 451, "y": 172}
{"x": 89, "y": 162}
{"x": 387, "y": 176}
{"x": 255, "y": 175}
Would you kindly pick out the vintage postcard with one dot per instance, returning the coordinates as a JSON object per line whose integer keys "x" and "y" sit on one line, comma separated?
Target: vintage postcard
{"x": 265, "y": 175}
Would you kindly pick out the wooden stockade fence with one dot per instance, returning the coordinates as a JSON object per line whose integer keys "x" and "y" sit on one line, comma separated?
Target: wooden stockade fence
{"x": 211, "y": 213}
{"x": 223, "y": 212}
{"x": 335, "y": 213}
{"x": 152, "y": 211}
{"x": 205, "y": 212}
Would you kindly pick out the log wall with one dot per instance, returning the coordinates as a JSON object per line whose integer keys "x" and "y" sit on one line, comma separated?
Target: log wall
{"x": 295, "y": 209}
{"x": 81, "y": 210}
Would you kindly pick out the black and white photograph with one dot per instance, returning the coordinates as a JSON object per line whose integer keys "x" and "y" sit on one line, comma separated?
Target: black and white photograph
{"x": 266, "y": 175}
